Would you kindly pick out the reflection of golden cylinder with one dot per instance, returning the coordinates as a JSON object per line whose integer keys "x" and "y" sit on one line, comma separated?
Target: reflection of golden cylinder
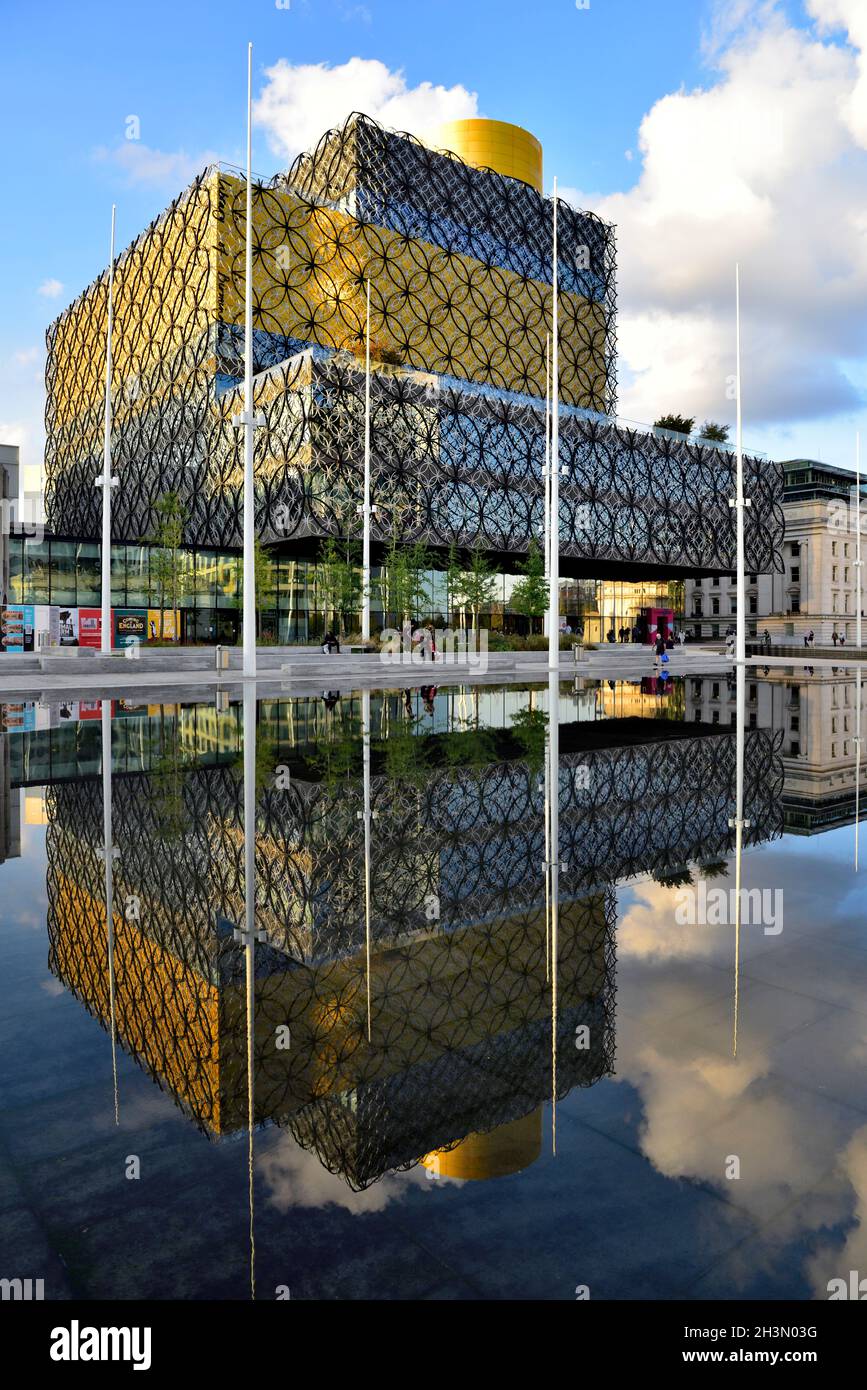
{"x": 508, "y": 149}
{"x": 508, "y": 1149}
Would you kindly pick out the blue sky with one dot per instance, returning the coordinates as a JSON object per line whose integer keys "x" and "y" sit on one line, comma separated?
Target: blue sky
{"x": 583, "y": 80}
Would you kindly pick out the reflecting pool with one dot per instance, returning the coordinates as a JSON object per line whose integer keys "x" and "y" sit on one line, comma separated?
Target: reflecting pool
{"x": 450, "y": 993}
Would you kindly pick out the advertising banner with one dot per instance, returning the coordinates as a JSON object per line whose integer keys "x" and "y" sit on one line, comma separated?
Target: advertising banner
{"x": 12, "y": 629}
{"x": 68, "y": 618}
{"x": 130, "y": 626}
{"x": 170, "y": 627}
{"x": 90, "y": 627}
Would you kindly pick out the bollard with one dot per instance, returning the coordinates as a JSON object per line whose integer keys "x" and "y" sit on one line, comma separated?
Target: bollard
{"x": 222, "y": 656}
{"x": 577, "y": 652}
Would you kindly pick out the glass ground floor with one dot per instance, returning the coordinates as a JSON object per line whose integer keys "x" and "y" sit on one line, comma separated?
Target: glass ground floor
{"x": 65, "y": 573}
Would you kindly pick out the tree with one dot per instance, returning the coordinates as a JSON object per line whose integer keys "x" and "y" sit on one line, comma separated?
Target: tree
{"x": 263, "y": 570}
{"x": 530, "y": 594}
{"x": 338, "y": 580}
{"x": 475, "y": 586}
{"x": 405, "y": 587}
{"x": 718, "y": 434}
{"x": 165, "y": 560}
{"x": 680, "y": 424}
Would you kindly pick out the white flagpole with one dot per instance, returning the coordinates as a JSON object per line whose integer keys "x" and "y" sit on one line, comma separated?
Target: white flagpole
{"x": 857, "y": 758}
{"x": 547, "y": 473}
{"x": 858, "y": 540}
{"x": 105, "y": 482}
{"x": 249, "y": 637}
{"x": 365, "y": 575}
{"x": 554, "y": 575}
{"x": 741, "y": 590}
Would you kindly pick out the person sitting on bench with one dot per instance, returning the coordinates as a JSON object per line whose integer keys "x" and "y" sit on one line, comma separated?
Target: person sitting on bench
{"x": 330, "y": 643}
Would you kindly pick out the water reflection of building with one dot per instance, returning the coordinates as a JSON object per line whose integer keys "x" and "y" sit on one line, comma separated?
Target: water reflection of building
{"x": 815, "y": 716}
{"x": 459, "y": 1058}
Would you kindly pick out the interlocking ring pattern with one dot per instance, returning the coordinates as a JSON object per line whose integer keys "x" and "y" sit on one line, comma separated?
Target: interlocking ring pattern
{"x": 460, "y": 1007}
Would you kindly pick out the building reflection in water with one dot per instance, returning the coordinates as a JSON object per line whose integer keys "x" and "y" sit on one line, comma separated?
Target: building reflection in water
{"x": 398, "y": 1004}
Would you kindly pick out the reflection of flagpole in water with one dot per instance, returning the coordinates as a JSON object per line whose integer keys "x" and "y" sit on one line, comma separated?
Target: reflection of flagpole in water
{"x": 738, "y": 823}
{"x": 553, "y": 867}
{"x": 547, "y": 474}
{"x": 250, "y": 931}
{"x": 108, "y": 855}
{"x": 547, "y": 794}
{"x": 366, "y": 815}
{"x": 857, "y": 758}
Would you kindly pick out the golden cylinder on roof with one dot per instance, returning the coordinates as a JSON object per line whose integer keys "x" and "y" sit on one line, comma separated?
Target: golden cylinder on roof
{"x": 498, "y": 145}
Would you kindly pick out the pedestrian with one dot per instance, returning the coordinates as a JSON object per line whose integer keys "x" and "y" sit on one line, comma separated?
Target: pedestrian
{"x": 842, "y": 639}
{"x": 681, "y": 637}
{"x": 767, "y": 639}
{"x": 806, "y": 639}
{"x": 834, "y": 637}
{"x": 812, "y": 638}
{"x": 330, "y": 643}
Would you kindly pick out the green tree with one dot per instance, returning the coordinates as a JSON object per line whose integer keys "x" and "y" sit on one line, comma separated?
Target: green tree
{"x": 167, "y": 573}
{"x": 475, "y": 587}
{"x": 718, "y": 434}
{"x": 265, "y": 579}
{"x": 681, "y": 424}
{"x": 530, "y": 594}
{"x": 338, "y": 580}
{"x": 404, "y": 582}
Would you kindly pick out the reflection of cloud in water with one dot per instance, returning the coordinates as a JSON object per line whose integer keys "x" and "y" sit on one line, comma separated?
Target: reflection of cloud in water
{"x": 833, "y": 1260}
{"x": 802, "y": 1167}
{"x": 648, "y": 930}
{"x": 296, "y": 1178}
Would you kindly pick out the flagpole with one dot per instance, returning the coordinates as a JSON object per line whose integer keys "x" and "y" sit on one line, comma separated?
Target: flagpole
{"x": 249, "y": 637}
{"x": 858, "y": 540}
{"x": 547, "y": 473}
{"x": 105, "y": 482}
{"x": 739, "y": 503}
{"x": 365, "y": 576}
{"x": 554, "y": 470}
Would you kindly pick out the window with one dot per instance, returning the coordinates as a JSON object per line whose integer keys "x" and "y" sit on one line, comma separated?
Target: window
{"x": 833, "y": 547}
{"x": 754, "y": 606}
{"x": 795, "y": 724}
{"x": 88, "y": 575}
{"x": 796, "y": 549}
{"x": 796, "y": 574}
{"x": 715, "y": 581}
{"x": 63, "y": 572}
{"x": 35, "y": 578}
{"x": 714, "y": 605}
{"x": 794, "y": 749}
{"x": 834, "y": 569}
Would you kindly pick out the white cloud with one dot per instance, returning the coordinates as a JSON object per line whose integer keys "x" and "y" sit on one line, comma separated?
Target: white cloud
{"x": 765, "y": 165}
{"x": 25, "y": 356}
{"x": 300, "y": 102}
{"x": 142, "y": 165}
{"x": 50, "y": 289}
